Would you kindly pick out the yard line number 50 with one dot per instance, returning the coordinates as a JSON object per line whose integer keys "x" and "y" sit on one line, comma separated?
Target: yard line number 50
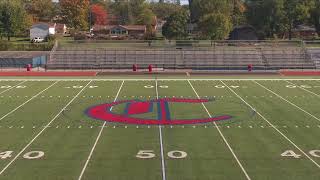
{"x": 149, "y": 154}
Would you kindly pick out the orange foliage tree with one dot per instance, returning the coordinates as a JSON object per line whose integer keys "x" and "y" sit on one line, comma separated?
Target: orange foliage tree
{"x": 99, "y": 15}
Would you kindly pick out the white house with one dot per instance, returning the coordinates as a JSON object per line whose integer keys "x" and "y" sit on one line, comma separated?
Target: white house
{"x": 42, "y": 30}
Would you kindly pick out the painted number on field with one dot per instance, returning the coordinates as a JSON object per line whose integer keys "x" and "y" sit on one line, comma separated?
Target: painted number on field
{"x": 151, "y": 86}
{"x": 145, "y": 154}
{"x": 29, "y": 155}
{"x": 7, "y": 87}
{"x": 292, "y": 154}
{"x": 80, "y": 87}
{"x": 33, "y": 155}
{"x": 301, "y": 86}
{"x": 177, "y": 154}
{"x": 233, "y": 87}
{"x": 149, "y": 154}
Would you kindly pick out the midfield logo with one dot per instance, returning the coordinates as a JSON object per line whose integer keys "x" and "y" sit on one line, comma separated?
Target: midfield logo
{"x": 135, "y": 107}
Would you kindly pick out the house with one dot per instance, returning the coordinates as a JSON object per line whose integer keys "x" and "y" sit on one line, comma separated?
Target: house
{"x": 136, "y": 31}
{"x": 244, "y": 32}
{"x": 42, "y": 30}
{"x": 304, "y": 31}
{"x": 61, "y": 28}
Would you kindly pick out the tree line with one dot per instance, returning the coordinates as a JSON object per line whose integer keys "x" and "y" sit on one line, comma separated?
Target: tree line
{"x": 214, "y": 19}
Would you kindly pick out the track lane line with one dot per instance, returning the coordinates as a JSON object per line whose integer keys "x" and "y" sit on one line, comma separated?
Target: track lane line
{"x": 161, "y": 141}
{"x": 45, "y": 127}
{"x": 12, "y": 111}
{"x": 303, "y": 88}
{"x": 12, "y": 87}
{"x": 289, "y": 102}
{"x": 273, "y": 126}
{"x": 223, "y": 137}
{"x": 97, "y": 139}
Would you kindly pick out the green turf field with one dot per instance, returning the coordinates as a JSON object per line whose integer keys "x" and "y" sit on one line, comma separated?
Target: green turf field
{"x": 273, "y": 132}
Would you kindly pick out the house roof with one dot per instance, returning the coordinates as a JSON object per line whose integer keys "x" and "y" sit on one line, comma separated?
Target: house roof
{"x": 43, "y": 26}
{"x": 40, "y": 26}
{"x": 304, "y": 27}
{"x": 128, "y": 27}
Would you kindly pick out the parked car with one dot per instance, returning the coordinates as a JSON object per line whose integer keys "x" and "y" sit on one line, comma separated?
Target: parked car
{"x": 37, "y": 40}
{"x": 89, "y": 35}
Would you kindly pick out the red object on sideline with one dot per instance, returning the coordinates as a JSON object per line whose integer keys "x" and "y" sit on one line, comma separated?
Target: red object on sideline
{"x": 29, "y": 67}
{"x": 250, "y": 67}
{"x": 150, "y": 68}
{"x": 134, "y": 68}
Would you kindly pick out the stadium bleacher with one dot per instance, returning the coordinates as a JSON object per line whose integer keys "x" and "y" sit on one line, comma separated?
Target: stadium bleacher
{"x": 221, "y": 57}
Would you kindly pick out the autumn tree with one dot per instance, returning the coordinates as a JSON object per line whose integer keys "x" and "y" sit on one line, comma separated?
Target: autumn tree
{"x": 215, "y": 26}
{"x": 41, "y": 10}
{"x": 176, "y": 25}
{"x": 13, "y": 18}
{"x": 273, "y": 17}
{"x": 147, "y": 18}
{"x": 315, "y": 15}
{"x": 164, "y": 10}
{"x": 215, "y": 18}
{"x": 75, "y": 13}
{"x": 99, "y": 14}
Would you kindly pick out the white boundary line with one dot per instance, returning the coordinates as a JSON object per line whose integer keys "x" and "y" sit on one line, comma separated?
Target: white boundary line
{"x": 45, "y": 127}
{"x": 288, "y": 101}
{"x": 27, "y": 101}
{"x": 12, "y": 87}
{"x": 97, "y": 139}
{"x": 161, "y": 142}
{"x": 283, "y": 135}
{"x": 164, "y": 79}
{"x": 304, "y": 89}
{"x": 223, "y": 137}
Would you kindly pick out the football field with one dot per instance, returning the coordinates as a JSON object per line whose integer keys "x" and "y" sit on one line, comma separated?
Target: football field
{"x": 160, "y": 129}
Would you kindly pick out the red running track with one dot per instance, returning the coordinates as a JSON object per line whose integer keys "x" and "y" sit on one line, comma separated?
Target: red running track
{"x": 300, "y": 73}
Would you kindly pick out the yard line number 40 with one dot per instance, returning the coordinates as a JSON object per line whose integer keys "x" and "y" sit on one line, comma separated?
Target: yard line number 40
{"x": 29, "y": 155}
{"x": 292, "y": 154}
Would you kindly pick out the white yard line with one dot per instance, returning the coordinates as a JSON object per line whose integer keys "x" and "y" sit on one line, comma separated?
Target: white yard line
{"x": 45, "y": 127}
{"x": 161, "y": 142}
{"x": 97, "y": 139}
{"x": 223, "y": 137}
{"x": 288, "y": 101}
{"x": 27, "y": 101}
{"x": 303, "y": 88}
{"x": 274, "y": 127}
{"x": 12, "y": 87}
{"x": 164, "y": 79}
